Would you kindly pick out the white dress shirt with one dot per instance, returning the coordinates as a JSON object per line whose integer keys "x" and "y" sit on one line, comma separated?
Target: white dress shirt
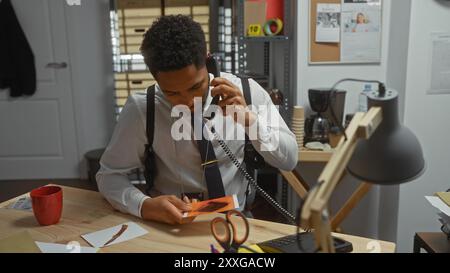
{"x": 178, "y": 163}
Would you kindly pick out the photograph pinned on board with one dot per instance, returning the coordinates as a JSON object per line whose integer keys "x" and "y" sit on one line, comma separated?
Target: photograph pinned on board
{"x": 328, "y": 23}
{"x": 213, "y": 206}
{"x": 361, "y": 21}
{"x": 361, "y": 16}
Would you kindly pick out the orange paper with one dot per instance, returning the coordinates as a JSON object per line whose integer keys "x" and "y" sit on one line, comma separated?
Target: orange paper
{"x": 213, "y": 206}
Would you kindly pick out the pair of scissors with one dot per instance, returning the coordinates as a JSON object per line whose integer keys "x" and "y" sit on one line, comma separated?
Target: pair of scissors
{"x": 230, "y": 240}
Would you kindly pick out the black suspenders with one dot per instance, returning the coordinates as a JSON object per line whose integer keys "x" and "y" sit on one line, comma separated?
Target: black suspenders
{"x": 251, "y": 158}
{"x": 149, "y": 155}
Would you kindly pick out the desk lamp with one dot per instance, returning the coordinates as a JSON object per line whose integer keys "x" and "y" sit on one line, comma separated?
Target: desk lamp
{"x": 376, "y": 148}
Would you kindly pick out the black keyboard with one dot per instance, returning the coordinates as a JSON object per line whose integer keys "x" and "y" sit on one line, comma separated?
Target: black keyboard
{"x": 289, "y": 244}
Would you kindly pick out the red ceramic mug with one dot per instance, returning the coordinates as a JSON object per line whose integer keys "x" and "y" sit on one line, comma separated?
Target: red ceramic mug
{"x": 47, "y": 204}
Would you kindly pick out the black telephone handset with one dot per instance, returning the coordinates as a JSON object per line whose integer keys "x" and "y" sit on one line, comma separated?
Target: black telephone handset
{"x": 212, "y": 65}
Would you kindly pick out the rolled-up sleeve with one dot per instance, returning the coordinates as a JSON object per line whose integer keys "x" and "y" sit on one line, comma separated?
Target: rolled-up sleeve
{"x": 124, "y": 154}
{"x": 270, "y": 135}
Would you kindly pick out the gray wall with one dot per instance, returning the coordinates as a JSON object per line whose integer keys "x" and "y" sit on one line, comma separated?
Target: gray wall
{"x": 395, "y": 79}
{"x": 427, "y": 116}
{"x": 92, "y": 76}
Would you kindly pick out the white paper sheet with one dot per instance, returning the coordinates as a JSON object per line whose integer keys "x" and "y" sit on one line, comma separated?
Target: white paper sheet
{"x": 439, "y": 204}
{"x": 328, "y": 28}
{"x": 72, "y": 247}
{"x": 440, "y": 64}
{"x": 23, "y": 203}
{"x": 361, "y": 31}
{"x": 99, "y": 238}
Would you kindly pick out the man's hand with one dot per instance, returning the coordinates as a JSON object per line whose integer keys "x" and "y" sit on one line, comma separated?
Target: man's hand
{"x": 233, "y": 98}
{"x": 167, "y": 209}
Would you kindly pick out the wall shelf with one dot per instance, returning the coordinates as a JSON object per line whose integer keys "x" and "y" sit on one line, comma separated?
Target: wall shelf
{"x": 264, "y": 38}
{"x": 279, "y": 52}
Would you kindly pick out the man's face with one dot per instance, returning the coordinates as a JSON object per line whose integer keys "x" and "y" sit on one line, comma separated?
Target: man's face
{"x": 181, "y": 86}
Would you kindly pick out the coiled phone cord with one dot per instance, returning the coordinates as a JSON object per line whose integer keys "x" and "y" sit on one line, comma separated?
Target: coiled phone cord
{"x": 252, "y": 181}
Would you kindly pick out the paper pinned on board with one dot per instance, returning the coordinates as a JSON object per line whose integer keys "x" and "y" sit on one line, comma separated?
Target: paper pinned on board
{"x": 114, "y": 235}
{"x": 439, "y": 67}
{"x": 361, "y": 31}
{"x": 328, "y": 29}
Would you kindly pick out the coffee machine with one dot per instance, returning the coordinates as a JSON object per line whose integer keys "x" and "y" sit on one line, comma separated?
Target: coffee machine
{"x": 319, "y": 125}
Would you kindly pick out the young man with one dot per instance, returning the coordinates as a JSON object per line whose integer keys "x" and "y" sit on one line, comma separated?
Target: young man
{"x": 174, "y": 49}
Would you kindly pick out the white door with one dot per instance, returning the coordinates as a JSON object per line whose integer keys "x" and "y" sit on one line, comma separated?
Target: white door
{"x": 37, "y": 133}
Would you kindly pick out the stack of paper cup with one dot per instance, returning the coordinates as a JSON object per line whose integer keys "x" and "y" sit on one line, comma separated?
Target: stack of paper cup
{"x": 298, "y": 124}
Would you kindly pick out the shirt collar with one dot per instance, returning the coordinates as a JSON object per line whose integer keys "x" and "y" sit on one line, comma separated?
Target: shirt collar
{"x": 162, "y": 98}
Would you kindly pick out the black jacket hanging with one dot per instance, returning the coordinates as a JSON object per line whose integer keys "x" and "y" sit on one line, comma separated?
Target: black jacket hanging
{"x": 17, "y": 66}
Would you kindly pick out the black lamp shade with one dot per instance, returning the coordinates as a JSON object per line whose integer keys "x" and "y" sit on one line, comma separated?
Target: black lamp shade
{"x": 393, "y": 154}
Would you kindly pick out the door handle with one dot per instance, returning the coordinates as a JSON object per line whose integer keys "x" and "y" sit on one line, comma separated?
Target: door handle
{"x": 56, "y": 65}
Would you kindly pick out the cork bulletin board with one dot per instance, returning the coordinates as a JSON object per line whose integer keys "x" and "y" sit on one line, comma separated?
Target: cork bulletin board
{"x": 321, "y": 52}
{"x": 331, "y": 52}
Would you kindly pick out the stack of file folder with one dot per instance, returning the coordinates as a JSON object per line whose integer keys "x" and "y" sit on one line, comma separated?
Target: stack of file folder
{"x": 441, "y": 201}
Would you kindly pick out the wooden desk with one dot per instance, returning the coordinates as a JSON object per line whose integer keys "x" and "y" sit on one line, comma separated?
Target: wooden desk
{"x": 86, "y": 211}
{"x": 432, "y": 242}
{"x": 310, "y": 156}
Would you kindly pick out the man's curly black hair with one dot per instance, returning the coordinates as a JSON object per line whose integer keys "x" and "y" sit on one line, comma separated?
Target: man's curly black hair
{"x": 172, "y": 43}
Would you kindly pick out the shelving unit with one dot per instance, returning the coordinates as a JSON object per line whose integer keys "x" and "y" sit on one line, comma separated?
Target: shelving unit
{"x": 286, "y": 41}
{"x": 269, "y": 42}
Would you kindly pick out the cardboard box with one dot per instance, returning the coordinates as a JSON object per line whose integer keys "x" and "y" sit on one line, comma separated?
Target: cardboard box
{"x": 254, "y": 13}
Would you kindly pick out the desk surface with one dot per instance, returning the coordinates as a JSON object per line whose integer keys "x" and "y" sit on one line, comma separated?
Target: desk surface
{"x": 305, "y": 155}
{"x": 87, "y": 211}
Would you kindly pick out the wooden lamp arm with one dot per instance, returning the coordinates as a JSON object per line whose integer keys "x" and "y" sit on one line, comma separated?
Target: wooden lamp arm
{"x": 314, "y": 213}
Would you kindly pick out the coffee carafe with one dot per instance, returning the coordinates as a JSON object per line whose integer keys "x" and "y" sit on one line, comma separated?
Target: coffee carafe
{"x": 317, "y": 126}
